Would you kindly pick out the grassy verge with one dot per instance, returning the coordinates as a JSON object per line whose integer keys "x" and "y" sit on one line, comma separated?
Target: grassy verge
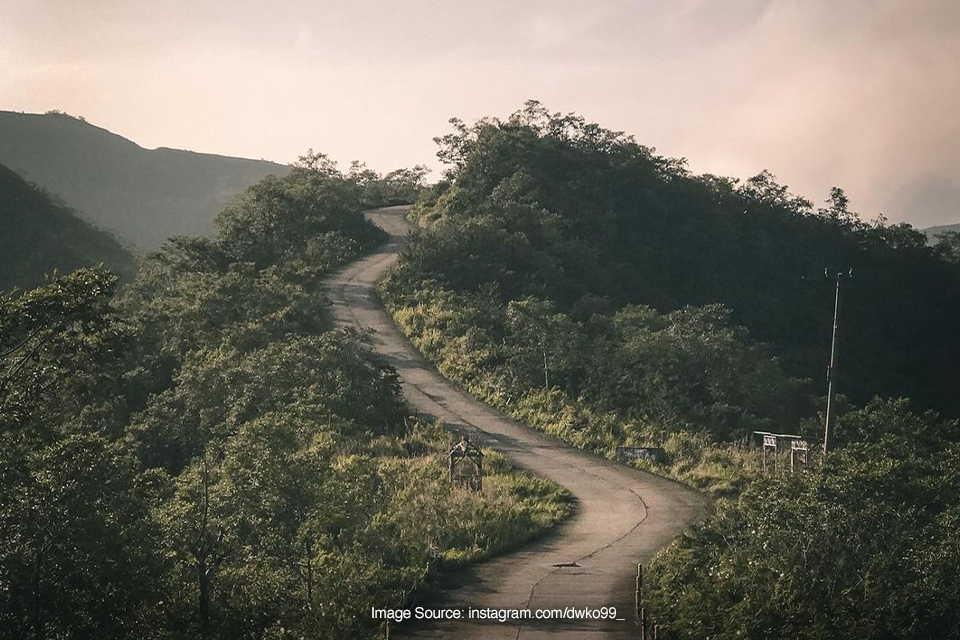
{"x": 720, "y": 469}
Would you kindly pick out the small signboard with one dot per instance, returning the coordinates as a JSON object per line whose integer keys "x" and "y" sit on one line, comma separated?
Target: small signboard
{"x": 654, "y": 454}
{"x": 771, "y": 442}
{"x": 466, "y": 464}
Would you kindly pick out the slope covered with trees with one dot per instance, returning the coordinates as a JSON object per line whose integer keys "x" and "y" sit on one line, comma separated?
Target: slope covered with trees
{"x": 142, "y": 195}
{"x": 199, "y": 455}
{"x": 865, "y": 547}
{"x": 579, "y": 216}
{"x": 39, "y": 236}
{"x": 148, "y": 195}
{"x": 933, "y": 232}
{"x": 603, "y": 293}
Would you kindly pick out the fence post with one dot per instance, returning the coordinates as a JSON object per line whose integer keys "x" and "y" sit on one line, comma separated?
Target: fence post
{"x": 640, "y": 612}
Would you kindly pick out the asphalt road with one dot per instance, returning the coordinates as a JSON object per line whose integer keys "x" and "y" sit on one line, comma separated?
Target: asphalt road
{"x": 623, "y": 515}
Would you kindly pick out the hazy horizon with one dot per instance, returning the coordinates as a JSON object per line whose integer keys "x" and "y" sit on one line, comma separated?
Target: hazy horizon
{"x": 858, "y": 96}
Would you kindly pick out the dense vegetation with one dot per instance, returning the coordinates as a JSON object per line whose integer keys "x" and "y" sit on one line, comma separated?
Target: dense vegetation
{"x": 571, "y": 213}
{"x": 603, "y": 293}
{"x": 39, "y": 236}
{"x": 200, "y": 455}
{"x": 866, "y": 549}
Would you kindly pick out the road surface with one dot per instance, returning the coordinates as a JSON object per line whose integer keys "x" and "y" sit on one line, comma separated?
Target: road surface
{"x": 622, "y": 517}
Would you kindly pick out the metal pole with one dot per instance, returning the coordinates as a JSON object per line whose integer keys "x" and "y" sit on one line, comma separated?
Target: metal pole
{"x": 641, "y": 614}
{"x": 830, "y": 369}
{"x": 638, "y": 594}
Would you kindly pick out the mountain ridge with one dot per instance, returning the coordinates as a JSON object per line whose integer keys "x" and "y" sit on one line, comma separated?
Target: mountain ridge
{"x": 142, "y": 195}
{"x": 932, "y": 232}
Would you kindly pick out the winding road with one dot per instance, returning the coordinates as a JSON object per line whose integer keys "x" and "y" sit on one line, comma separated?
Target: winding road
{"x": 622, "y": 517}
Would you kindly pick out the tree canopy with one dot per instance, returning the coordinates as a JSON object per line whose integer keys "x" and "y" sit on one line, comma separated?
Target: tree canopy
{"x": 603, "y": 293}
{"x": 200, "y": 455}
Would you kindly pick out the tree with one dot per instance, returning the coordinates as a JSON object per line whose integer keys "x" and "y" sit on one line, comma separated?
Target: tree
{"x": 77, "y": 557}
{"x": 272, "y": 222}
{"x": 540, "y": 338}
{"x": 948, "y": 245}
{"x": 857, "y": 549}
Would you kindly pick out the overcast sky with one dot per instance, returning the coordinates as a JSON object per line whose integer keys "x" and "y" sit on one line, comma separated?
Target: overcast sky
{"x": 862, "y": 95}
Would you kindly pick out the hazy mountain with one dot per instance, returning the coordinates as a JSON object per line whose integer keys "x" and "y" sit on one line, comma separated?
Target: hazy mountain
{"x": 39, "y": 235}
{"x": 143, "y": 195}
{"x": 933, "y": 231}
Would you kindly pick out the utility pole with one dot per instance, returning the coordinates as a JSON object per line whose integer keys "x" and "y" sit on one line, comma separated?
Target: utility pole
{"x": 831, "y": 369}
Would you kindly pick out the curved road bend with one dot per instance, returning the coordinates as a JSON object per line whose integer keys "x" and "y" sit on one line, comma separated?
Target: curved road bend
{"x": 623, "y": 515}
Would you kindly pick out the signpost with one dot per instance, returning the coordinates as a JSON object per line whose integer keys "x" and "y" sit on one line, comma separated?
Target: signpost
{"x": 627, "y": 454}
{"x": 772, "y": 442}
{"x": 798, "y": 452}
{"x": 466, "y": 464}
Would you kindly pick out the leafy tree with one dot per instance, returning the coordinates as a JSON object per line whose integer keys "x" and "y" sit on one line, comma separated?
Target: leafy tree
{"x": 550, "y": 206}
{"x": 272, "y": 222}
{"x": 202, "y": 456}
{"x": 77, "y": 557}
{"x": 859, "y": 549}
{"x": 948, "y": 245}
{"x": 330, "y": 378}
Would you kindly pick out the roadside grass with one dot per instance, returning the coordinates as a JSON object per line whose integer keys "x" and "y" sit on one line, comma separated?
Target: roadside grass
{"x": 513, "y": 506}
{"x": 719, "y": 469}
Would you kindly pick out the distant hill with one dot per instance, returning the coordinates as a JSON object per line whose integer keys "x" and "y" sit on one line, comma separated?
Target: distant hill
{"x": 933, "y": 231}
{"x": 142, "y": 195}
{"x": 38, "y": 236}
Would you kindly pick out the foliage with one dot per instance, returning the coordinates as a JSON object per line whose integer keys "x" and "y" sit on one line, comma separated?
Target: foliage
{"x": 553, "y": 207}
{"x": 595, "y": 290}
{"x": 272, "y": 222}
{"x": 40, "y": 237}
{"x": 200, "y": 455}
{"x": 400, "y": 186}
{"x": 78, "y": 554}
{"x": 864, "y": 548}
{"x": 630, "y": 377}
{"x": 948, "y": 245}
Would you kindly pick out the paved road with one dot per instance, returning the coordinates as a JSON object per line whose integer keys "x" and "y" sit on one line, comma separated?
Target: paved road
{"x": 623, "y": 516}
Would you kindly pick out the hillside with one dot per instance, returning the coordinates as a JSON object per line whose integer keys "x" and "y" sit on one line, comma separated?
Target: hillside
{"x": 933, "y": 232}
{"x": 579, "y": 226}
{"x": 143, "y": 195}
{"x": 608, "y": 296}
{"x": 207, "y": 416}
{"x": 38, "y": 236}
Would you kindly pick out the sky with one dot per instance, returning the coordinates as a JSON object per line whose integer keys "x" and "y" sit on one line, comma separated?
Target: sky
{"x": 861, "y": 94}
